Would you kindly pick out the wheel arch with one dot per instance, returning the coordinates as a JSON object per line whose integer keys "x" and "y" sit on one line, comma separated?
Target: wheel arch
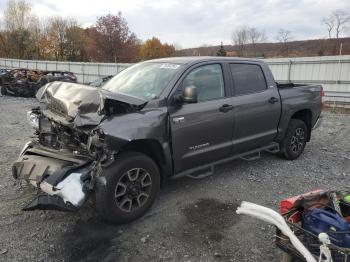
{"x": 304, "y": 115}
{"x": 153, "y": 149}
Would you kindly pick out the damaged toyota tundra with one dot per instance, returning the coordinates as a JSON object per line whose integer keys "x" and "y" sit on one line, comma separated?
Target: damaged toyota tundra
{"x": 159, "y": 119}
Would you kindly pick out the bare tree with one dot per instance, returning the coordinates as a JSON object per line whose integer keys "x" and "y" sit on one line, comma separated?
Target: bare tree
{"x": 3, "y": 49}
{"x": 244, "y": 36}
{"x": 17, "y": 15}
{"x": 338, "y": 21}
{"x": 329, "y": 23}
{"x": 240, "y": 39}
{"x": 3, "y": 44}
{"x": 255, "y": 36}
{"x": 35, "y": 34}
{"x": 284, "y": 36}
{"x": 342, "y": 21}
{"x": 19, "y": 21}
{"x": 57, "y": 35}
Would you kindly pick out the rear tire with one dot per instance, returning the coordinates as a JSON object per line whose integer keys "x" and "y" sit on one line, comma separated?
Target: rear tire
{"x": 294, "y": 141}
{"x": 131, "y": 186}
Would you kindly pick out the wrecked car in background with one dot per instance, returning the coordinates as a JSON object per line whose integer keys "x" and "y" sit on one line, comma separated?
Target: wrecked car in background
{"x": 25, "y": 82}
{"x": 158, "y": 119}
{"x": 100, "y": 81}
{"x": 21, "y": 82}
{"x": 63, "y": 76}
{"x": 4, "y": 71}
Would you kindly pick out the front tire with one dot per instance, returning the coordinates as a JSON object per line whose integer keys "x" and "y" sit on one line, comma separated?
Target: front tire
{"x": 294, "y": 141}
{"x": 131, "y": 186}
{"x": 3, "y": 90}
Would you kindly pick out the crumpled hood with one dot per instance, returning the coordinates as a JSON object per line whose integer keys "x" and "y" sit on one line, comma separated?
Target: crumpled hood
{"x": 84, "y": 105}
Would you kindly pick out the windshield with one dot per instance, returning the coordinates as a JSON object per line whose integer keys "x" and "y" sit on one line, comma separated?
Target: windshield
{"x": 145, "y": 80}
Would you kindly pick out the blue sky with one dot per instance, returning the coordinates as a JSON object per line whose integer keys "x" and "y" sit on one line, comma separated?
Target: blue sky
{"x": 191, "y": 23}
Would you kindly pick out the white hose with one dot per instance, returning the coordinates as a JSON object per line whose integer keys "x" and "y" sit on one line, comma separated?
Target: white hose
{"x": 271, "y": 216}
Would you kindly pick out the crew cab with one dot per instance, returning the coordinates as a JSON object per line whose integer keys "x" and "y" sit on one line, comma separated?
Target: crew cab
{"x": 159, "y": 119}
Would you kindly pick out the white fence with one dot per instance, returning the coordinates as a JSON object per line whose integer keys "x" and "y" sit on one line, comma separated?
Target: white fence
{"x": 333, "y": 72}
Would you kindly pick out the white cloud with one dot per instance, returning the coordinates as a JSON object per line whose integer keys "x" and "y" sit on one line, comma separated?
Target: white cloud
{"x": 198, "y": 22}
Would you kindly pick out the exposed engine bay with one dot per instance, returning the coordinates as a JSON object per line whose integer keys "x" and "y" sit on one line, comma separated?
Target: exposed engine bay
{"x": 55, "y": 135}
{"x": 68, "y": 149}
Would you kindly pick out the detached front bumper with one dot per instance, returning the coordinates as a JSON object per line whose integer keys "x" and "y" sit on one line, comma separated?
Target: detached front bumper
{"x": 64, "y": 180}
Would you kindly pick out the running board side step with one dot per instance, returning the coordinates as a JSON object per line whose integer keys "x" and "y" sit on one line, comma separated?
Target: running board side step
{"x": 198, "y": 175}
{"x": 273, "y": 150}
{"x": 197, "y": 172}
{"x": 251, "y": 157}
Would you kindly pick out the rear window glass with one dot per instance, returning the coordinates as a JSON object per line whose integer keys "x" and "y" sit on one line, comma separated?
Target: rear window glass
{"x": 247, "y": 78}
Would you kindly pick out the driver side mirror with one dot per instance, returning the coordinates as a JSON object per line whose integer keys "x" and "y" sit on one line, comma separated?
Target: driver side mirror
{"x": 189, "y": 95}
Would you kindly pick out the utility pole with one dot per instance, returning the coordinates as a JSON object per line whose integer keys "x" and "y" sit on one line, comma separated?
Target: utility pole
{"x": 339, "y": 62}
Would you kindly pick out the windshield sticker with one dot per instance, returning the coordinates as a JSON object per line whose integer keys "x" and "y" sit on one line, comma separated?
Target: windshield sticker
{"x": 170, "y": 66}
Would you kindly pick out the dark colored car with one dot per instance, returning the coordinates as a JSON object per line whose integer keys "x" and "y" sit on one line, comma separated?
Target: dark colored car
{"x": 4, "y": 71}
{"x": 62, "y": 76}
{"x": 159, "y": 119}
{"x": 100, "y": 81}
{"x": 21, "y": 82}
{"x": 26, "y": 82}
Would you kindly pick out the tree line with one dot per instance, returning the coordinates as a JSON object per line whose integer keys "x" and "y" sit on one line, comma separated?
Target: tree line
{"x": 24, "y": 36}
{"x": 246, "y": 39}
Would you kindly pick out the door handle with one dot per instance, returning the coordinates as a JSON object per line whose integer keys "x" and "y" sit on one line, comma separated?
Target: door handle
{"x": 178, "y": 119}
{"x": 225, "y": 108}
{"x": 273, "y": 100}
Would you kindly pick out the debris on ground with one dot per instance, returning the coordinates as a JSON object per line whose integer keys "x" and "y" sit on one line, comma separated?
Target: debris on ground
{"x": 144, "y": 239}
{"x": 315, "y": 213}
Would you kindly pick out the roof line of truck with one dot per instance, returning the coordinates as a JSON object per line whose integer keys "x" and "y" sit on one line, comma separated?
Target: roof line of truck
{"x": 198, "y": 59}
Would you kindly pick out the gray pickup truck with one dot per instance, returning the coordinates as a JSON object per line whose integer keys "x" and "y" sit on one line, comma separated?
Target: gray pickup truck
{"x": 159, "y": 119}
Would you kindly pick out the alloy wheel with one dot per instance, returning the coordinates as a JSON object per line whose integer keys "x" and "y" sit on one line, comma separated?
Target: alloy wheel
{"x": 133, "y": 189}
{"x": 298, "y": 140}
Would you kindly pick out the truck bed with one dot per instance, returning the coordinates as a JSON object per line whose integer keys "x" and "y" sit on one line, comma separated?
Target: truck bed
{"x": 288, "y": 85}
{"x": 296, "y": 97}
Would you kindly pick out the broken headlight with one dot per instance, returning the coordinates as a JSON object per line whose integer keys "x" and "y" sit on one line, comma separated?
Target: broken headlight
{"x": 47, "y": 136}
{"x": 45, "y": 125}
{"x": 33, "y": 119}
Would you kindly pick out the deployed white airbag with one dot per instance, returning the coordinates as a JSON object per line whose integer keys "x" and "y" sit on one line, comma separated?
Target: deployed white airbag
{"x": 71, "y": 189}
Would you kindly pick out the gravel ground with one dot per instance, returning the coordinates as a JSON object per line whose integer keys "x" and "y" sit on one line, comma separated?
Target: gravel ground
{"x": 192, "y": 220}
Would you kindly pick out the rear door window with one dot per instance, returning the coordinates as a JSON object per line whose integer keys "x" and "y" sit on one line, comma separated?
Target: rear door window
{"x": 247, "y": 78}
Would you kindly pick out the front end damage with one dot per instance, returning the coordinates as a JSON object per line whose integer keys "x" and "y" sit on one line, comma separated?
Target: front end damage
{"x": 68, "y": 150}
{"x": 64, "y": 180}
